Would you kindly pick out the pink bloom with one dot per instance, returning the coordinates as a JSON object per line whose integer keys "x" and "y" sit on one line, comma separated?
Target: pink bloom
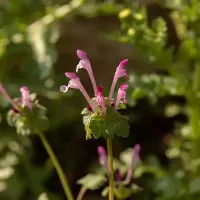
{"x": 121, "y": 95}
{"x": 134, "y": 160}
{"x": 25, "y": 93}
{"x": 120, "y": 72}
{"x": 103, "y": 159}
{"x": 75, "y": 83}
{"x": 100, "y": 99}
{"x": 85, "y": 63}
{"x": 7, "y": 97}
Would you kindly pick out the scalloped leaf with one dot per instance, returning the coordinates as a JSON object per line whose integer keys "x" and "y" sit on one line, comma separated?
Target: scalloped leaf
{"x": 92, "y": 181}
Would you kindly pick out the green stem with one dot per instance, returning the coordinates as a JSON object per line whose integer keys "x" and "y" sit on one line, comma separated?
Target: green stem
{"x": 57, "y": 166}
{"x": 81, "y": 193}
{"x": 110, "y": 163}
{"x": 194, "y": 121}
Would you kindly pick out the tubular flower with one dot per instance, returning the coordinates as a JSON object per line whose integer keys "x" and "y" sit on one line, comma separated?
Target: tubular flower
{"x": 103, "y": 159}
{"x": 121, "y": 95}
{"x": 135, "y": 158}
{"x": 75, "y": 83}
{"x": 100, "y": 99}
{"x": 25, "y": 93}
{"x": 120, "y": 72}
{"x": 85, "y": 63}
{"x": 24, "y": 101}
{"x": 100, "y": 117}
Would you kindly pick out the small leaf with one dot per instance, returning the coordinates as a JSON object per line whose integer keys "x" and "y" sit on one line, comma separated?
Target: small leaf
{"x": 92, "y": 181}
{"x": 85, "y": 111}
{"x": 43, "y": 196}
{"x": 122, "y": 106}
{"x": 105, "y": 191}
{"x": 122, "y": 192}
{"x": 87, "y": 119}
{"x": 88, "y": 132}
{"x": 194, "y": 185}
{"x": 96, "y": 126}
{"x": 12, "y": 117}
{"x": 122, "y": 127}
{"x": 136, "y": 188}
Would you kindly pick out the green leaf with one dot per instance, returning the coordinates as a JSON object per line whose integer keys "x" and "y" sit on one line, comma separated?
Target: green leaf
{"x": 12, "y": 117}
{"x": 92, "y": 181}
{"x": 106, "y": 126}
{"x": 42, "y": 124}
{"x": 136, "y": 188}
{"x": 105, "y": 191}
{"x": 194, "y": 185}
{"x": 97, "y": 126}
{"x": 123, "y": 192}
{"x": 115, "y": 124}
{"x": 122, "y": 127}
{"x": 88, "y": 132}
{"x": 122, "y": 106}
{"x": 43, "y": 196}
{"x": 85, "y": 111}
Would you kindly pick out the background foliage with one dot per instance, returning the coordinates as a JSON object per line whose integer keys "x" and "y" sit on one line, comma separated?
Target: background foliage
{"x": 161, "y": 39}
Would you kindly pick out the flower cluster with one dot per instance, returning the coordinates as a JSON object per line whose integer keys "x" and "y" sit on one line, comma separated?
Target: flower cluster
{"x": 103, "y": 160}
{"x": 99, "y": 101}
{"x": 101, "y": 116}
{"x": 17, "y": 104}
{"x": 27, "y": 115}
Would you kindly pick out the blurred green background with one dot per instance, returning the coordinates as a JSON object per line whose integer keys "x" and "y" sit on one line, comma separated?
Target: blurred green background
{"x": 161, "y": 39}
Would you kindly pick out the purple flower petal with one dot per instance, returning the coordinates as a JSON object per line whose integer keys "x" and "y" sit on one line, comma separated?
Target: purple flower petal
{"x": 82, "y": 55}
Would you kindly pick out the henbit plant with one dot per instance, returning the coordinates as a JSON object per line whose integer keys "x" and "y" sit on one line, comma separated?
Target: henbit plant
{"x": 101, "y": 117}
{"x": 29, "y": 117}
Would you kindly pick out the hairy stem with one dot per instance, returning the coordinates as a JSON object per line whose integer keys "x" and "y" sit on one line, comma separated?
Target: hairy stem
{"x": 58, "y": 168}
{"x": 110, "y": 163}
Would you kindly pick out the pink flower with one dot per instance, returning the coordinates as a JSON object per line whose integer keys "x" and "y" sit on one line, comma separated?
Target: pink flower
{"x": 135, "y": 158}
{"x": 98, "y": 91}
{"x": 25, "y": 100}
{"x": 121, "y": 95}
{"x": 85, "y": 63}
{"x": 25, "y": 93}
{"x": 75, "y": 83}
{"x": 103, "y": 159}
{"x": 100, "y": 99}
{"x": 120, "y": 72}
